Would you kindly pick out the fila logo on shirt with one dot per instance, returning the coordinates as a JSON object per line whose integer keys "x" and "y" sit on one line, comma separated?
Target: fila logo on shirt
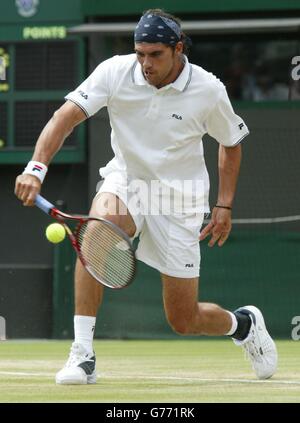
{"x": 37, "y": 168}
{"x": 85, "y": 96}
{"x": 189, "y": 265}
{"x": 241, "y": 125}
{"x": 176, "y": 116}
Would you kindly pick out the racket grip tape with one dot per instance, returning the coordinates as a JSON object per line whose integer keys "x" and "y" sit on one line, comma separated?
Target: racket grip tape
{"x": 43, "y": 204}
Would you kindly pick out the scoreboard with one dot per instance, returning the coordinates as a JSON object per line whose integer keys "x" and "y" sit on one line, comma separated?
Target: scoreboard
{"x": 34, "y": 78}
{"x": 39, "y": 65}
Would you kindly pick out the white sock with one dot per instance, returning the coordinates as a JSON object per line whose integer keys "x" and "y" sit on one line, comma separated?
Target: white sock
{"x": 234, "y": 324}
{"x": 84, "y": 327}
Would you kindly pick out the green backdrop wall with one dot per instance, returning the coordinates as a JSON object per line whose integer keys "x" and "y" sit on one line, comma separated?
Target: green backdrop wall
{"x": 253, "y": 267}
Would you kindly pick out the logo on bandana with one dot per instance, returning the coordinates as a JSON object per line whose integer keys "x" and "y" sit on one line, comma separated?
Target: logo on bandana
{"x": 27, "y": 8}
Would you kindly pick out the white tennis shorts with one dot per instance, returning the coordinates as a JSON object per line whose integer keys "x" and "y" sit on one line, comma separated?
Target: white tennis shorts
{"x": 167, "y": 242}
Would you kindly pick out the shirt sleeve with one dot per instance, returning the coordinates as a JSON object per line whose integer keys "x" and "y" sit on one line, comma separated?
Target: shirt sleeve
{"x": 223, "y": 124}
{"x": 93, "y": 93}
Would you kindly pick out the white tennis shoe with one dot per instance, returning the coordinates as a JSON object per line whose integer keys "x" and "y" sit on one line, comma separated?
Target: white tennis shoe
{"x": 259, "y": 346}
{"x": 80, "y": 369}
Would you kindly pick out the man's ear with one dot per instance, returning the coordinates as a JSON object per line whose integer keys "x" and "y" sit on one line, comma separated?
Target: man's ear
{"x": 179, "y": 47}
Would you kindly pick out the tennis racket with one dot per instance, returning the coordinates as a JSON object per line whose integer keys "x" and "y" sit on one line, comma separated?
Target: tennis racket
{"x": 103, "y": 248}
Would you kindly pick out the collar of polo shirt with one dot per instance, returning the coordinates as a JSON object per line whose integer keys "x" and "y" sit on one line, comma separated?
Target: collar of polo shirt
{"x": 180, "y": 84}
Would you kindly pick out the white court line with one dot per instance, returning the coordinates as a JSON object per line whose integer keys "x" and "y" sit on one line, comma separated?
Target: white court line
{"x": 25, "y": 374}
{"x": 188, "y": 379}
{"x": 194, "y": 379}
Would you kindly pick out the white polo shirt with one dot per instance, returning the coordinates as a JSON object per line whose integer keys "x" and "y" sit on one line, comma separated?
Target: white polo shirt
{"x": 157, "y": 133}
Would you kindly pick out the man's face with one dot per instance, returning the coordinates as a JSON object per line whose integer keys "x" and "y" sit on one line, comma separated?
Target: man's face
{"x": 158, "y": 61}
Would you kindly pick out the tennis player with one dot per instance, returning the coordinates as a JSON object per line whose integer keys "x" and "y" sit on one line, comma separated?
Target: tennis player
{"x": 160, "y": 106}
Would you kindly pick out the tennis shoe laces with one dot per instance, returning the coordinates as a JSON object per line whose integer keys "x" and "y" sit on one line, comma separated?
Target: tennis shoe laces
{"x": 80, "y": 369}
{"x": 259, "y": 347}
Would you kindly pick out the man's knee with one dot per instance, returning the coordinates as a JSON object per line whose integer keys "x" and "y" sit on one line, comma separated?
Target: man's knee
{"x": 181, "y": 303}
{"x": 181, "y": 328}
{"x": 110, "y": 207}
{"x": 183, "y": 324}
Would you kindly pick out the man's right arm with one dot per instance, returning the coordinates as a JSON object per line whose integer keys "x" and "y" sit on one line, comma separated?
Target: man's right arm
{"x": 49, "y": 143}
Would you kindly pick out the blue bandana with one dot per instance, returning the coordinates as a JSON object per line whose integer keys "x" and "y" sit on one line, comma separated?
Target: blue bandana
{"x": 157, "y": 29}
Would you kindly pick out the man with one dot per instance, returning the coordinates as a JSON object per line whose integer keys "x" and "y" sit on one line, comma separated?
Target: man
{"x": 160, "y": 106}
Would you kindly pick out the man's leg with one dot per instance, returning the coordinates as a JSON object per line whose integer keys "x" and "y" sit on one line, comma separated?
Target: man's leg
{"x": 246, "y": 325}
{"x": 186, "y": 315}
{"x": 88, "y": 298}
{"x": 88, "y": 292}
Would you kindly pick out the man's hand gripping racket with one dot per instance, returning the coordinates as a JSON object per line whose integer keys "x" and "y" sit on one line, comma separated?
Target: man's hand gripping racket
{"x": 103, "y": 248}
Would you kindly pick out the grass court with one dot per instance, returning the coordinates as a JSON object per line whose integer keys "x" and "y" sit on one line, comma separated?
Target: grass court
{"x": 195, "y": 371}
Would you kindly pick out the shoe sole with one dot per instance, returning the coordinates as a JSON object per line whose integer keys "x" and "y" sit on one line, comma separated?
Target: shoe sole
{"x": 92, "y": 379}
{"x": 89, "y": 380}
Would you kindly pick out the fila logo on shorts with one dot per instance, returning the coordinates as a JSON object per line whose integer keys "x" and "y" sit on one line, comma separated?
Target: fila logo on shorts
{"x": 176, "y": 116}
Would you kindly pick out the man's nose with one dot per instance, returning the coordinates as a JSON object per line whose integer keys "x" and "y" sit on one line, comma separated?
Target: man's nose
{"x": 147, "y": 63}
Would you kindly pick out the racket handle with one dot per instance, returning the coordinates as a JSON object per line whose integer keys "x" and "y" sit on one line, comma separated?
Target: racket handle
{"x": 43, "y": 204}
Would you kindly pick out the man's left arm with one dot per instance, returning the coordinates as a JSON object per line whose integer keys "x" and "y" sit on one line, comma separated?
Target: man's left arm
{"x": 220, "y": 225}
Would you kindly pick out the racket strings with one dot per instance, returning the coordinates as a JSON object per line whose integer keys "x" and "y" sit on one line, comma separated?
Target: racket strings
{"x": 101, "y": 252}
{"x": 106, "y": 258}
{"x": 106, "y": 253}
{"x": 109, "y": 245}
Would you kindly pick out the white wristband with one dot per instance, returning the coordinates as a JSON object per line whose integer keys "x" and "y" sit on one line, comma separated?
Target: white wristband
{"x": 36, "y": 169}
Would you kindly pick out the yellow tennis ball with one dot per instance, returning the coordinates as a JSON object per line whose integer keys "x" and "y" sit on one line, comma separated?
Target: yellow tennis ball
{"x": 55, "y": 233}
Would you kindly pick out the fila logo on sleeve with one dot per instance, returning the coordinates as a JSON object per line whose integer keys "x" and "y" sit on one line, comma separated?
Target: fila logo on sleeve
{"x": 85, "y": 96}
{"x": 37, "y": 168}
{"x": 241, "y": 125}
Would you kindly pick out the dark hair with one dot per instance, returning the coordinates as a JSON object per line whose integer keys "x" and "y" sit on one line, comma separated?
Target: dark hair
{"x": 186, "y": 41}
